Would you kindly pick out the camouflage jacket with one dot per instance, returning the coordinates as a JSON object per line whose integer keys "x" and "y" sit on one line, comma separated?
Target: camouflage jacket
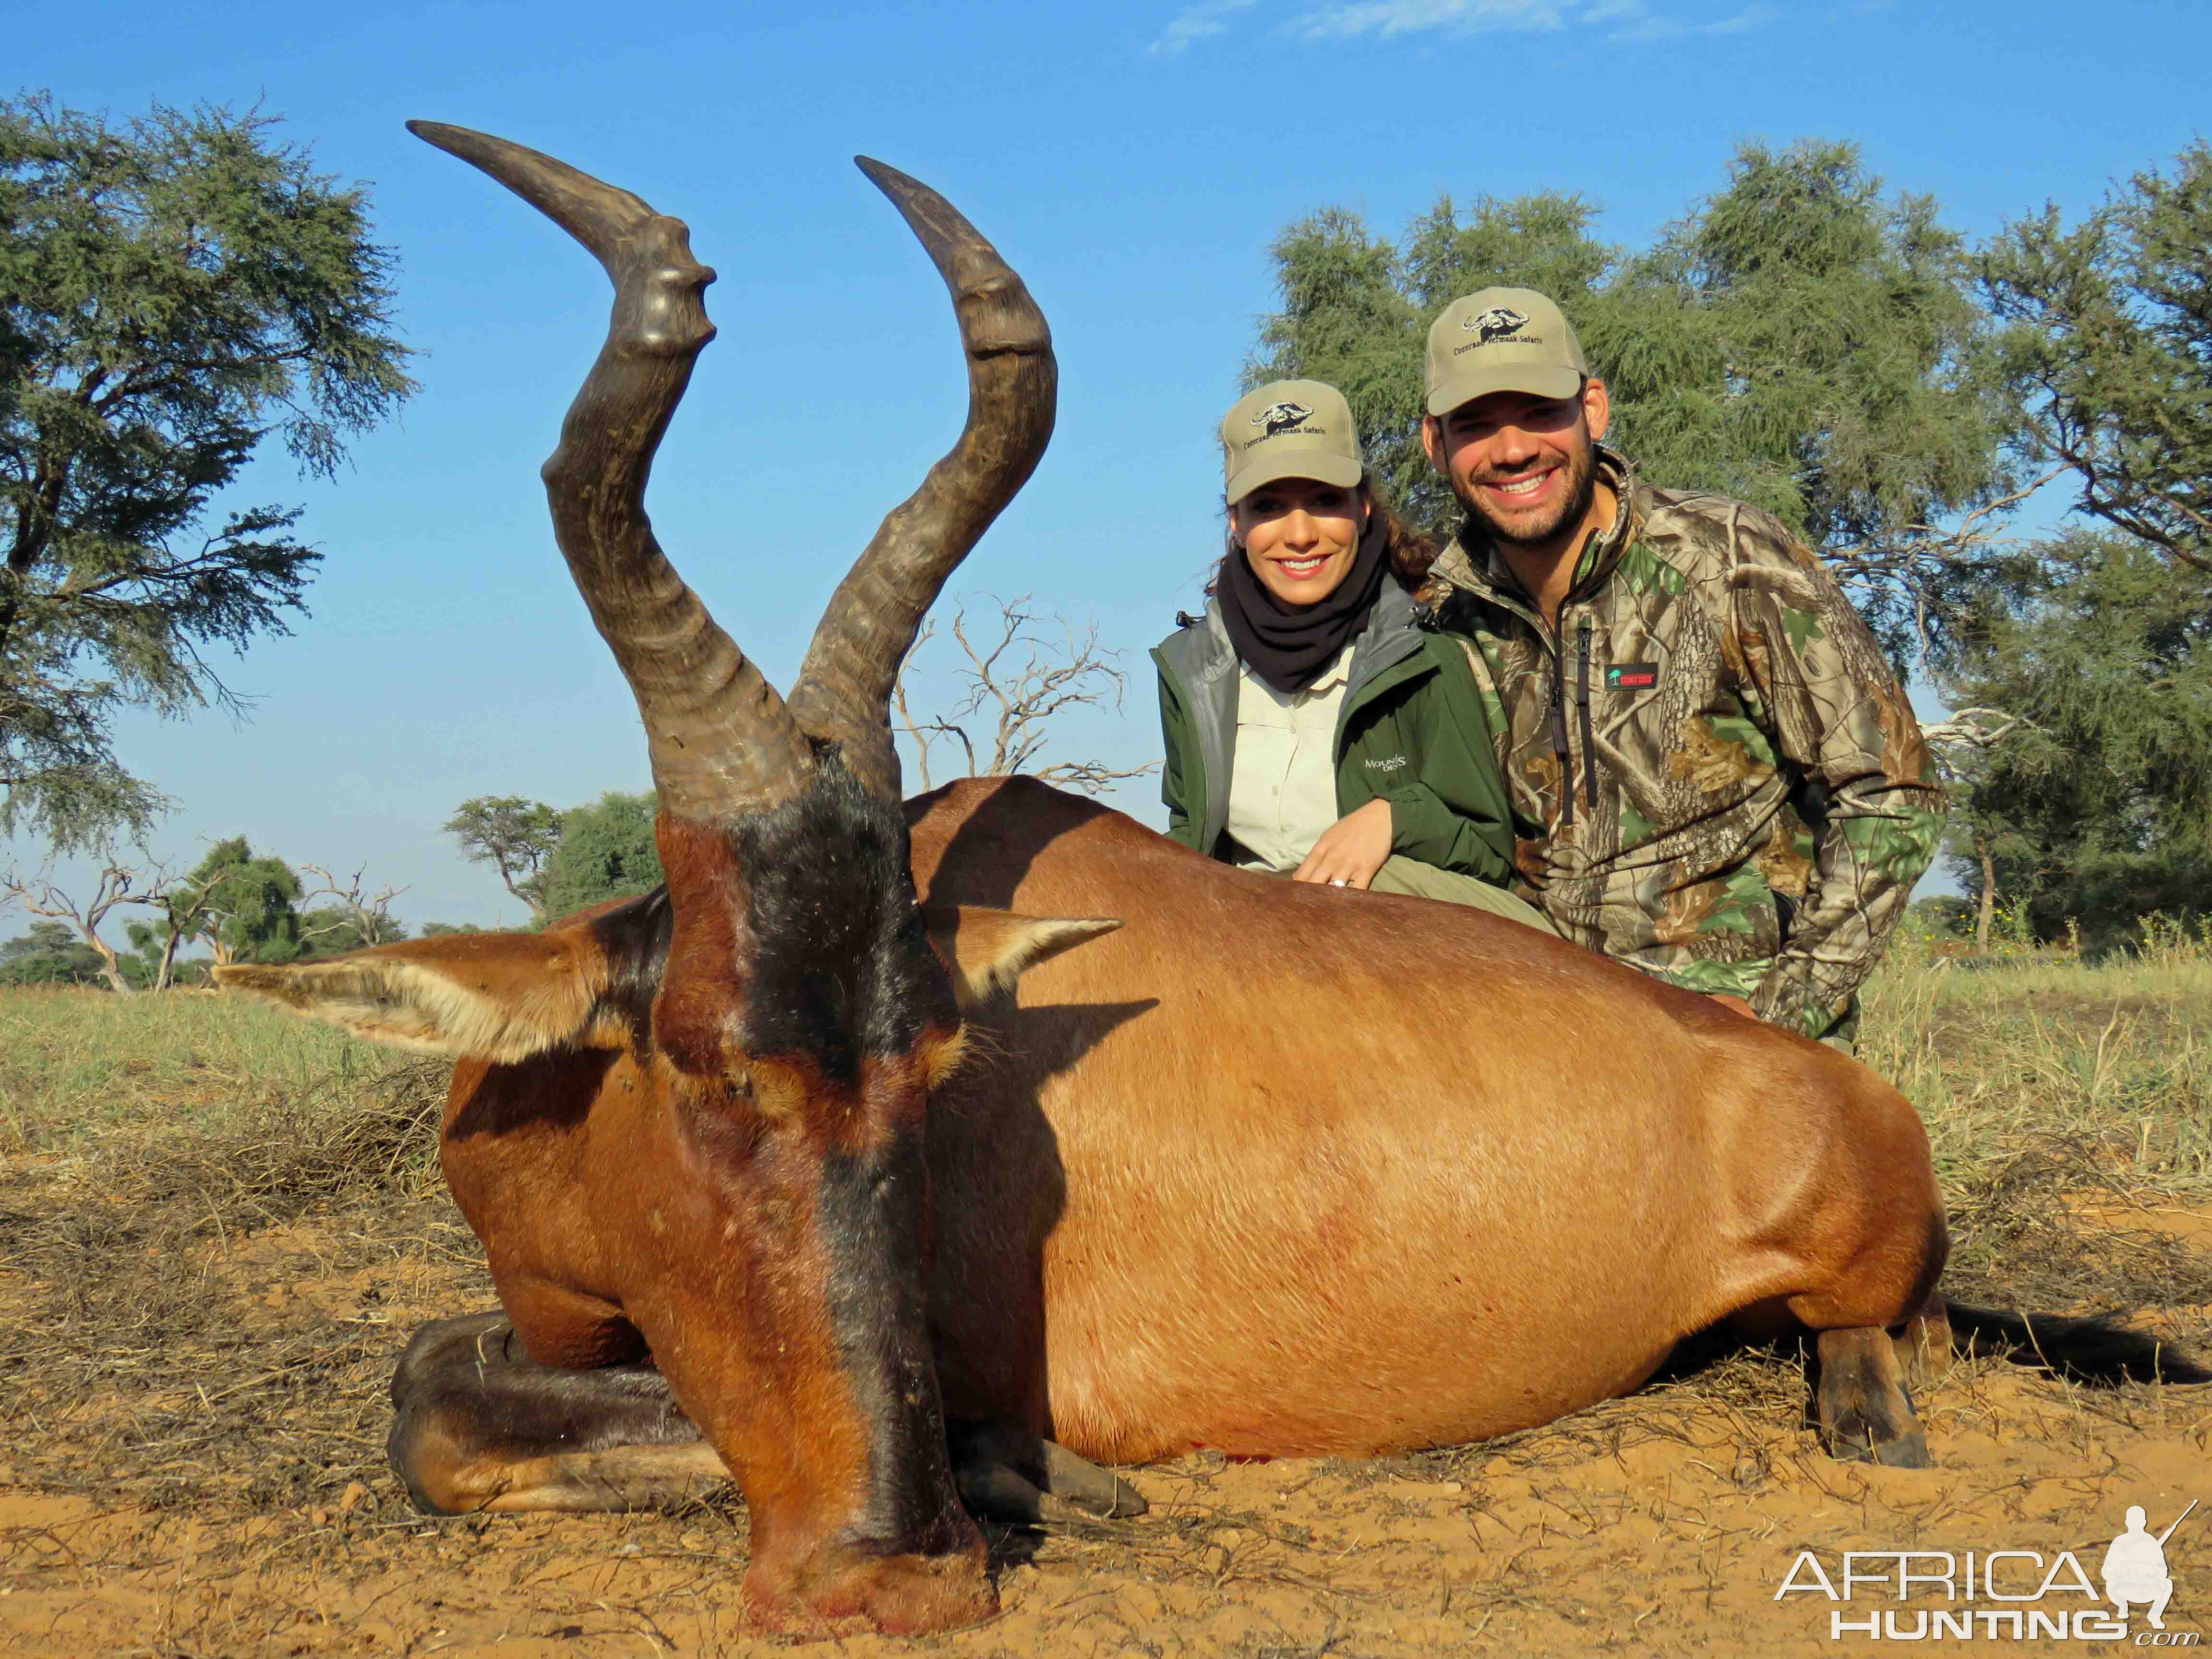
{"x": 1752, "y": 801}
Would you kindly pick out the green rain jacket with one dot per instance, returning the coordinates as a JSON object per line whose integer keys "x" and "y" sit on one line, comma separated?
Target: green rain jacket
{"x": 1715, "y": 774}
{"x": 1413, "y": 730}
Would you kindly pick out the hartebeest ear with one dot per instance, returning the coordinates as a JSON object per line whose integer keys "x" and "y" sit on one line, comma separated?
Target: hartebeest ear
{"x": 500, "y": 996}
{"x": 986, "y": 950}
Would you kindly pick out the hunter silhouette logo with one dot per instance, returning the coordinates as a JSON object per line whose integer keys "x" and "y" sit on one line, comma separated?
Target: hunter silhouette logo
{"x": 2134, "y": 1566}
{"x": 1498, "y": 323}
{"x": 1282, "y": 418}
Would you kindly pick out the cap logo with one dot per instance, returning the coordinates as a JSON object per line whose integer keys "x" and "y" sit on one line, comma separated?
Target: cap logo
{"x": 1284, "y": 416}
{"x": 1498, "y": 323}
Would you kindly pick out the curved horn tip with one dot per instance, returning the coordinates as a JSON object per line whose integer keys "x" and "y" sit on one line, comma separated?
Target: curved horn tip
{"x": 908, "y": 193}
{"x": 443, "y": 134}
{"x": 947, "y": 233}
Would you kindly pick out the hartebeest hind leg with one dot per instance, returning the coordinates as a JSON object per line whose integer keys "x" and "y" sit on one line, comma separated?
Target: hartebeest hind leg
{"x": 1866, "y": 1410}
{"x": 1923, "y": 1345}
{"x": 478, "y": 1425}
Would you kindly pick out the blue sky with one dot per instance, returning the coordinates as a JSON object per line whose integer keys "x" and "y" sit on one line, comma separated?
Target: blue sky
{"x": 1133, "y": 161}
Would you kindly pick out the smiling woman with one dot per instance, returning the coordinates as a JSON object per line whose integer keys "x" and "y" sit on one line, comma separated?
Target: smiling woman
{"x": 1312, "y": 729}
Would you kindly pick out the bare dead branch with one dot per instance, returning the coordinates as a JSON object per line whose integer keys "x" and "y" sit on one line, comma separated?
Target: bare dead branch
{"x": 1966, "y": 733}
{"x": 1975, "y": 728}
{"x": 368, "y": 914}
{"x": 1914, "y": 560}
{"x": 1017, "y": 678}
{"x": 902, "y": 719}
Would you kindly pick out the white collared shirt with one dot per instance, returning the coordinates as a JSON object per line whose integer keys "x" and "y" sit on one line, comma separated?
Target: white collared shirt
{"x": 1282, "y": 783}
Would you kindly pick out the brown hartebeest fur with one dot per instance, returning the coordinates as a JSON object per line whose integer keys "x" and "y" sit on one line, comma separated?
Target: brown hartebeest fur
{"x": 1278, "y": 1168}
{"x": 1272, "y": 1169}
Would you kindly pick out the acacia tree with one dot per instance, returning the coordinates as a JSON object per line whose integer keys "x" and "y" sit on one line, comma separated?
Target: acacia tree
{"x": 515, "y": 837}
{"x": 48, "y": 953}
{"x": 173, "y": 290}
{"x": 183, "y": 908}
{"x": 116, "y": 883}
{"x": 1799, "y": 341}
{"x": 2098, "y": 809}
{"x": 245, "y": 906}
{"x": 2107, "y": 351}
{"x": 606, "y": 850}
{"x": 349, "y": 915}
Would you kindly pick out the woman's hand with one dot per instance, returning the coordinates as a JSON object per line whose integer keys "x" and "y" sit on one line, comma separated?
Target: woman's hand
{"x": 1351, "y": 850}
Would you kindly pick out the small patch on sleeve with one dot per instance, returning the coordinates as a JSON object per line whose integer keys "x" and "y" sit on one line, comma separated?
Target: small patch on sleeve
{"x": 1632, "y": 677}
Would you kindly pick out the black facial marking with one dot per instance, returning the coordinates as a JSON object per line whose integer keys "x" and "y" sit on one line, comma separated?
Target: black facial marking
{"x": 873, "y": 1209}
{"x": 840, "y": 966}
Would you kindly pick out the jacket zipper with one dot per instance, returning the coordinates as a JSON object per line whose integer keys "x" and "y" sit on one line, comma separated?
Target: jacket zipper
{"x": 1581, "y": 697}
{"x": 1560, "y": 751}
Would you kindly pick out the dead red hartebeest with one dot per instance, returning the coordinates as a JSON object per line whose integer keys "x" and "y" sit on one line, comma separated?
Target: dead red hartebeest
{"x": 782, "y": 1156}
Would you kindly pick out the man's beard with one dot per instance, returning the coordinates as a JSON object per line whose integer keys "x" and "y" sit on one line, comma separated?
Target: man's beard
{"x": 1574, "y": 501}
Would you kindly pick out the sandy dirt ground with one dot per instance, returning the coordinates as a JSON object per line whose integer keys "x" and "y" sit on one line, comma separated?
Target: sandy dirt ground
{"x": 212, "y": 1484}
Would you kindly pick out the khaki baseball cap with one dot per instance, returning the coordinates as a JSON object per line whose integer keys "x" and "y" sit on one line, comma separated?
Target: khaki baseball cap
{"x": 1503, "y": 339}
{"x": 1289, "y": 430}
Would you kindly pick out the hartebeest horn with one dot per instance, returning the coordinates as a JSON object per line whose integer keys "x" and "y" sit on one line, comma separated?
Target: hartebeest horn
{"x": 844, "y": 686}
{"x": 723, "y": 743}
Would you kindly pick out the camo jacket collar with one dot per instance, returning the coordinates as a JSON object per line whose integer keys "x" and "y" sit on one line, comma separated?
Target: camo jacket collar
{"x": 1471, "y": 561}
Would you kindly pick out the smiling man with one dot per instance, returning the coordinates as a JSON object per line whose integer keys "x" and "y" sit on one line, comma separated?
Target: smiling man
{"x": 1714, "y": 774}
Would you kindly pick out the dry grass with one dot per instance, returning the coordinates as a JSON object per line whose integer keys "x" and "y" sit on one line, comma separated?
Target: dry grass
{"x": 75, "y": 1064}
{"x": 217, "y": 1224}
{"x": 2055, "y": 1095}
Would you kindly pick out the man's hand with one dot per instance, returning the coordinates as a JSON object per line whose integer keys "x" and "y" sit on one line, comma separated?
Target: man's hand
{"x": 1736, "y": 1003}
{"x": 1351, "y": 850}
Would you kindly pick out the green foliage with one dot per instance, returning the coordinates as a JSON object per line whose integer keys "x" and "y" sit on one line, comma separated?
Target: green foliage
{"x": 2101, "y": 809}
{"x": 1940, "y": 915}
{"x": 151, "y": 953}
{"x": 1346, "y": 319}
{"x": 50, "y": 953}
{"x": 441, "y": 929}
{"x": 2107, "y": 351}
{"x": 512, "y": 834}
{"x": 1798, "y": 342}
{"x": 172, "y": 292}
{"x": 244, "y": 905}
{"x": 1842, "y": 325}
{"x": 606, "y": 851}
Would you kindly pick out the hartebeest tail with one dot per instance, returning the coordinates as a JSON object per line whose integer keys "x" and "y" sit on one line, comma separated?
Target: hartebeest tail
{"x": 2097, "y": 1350}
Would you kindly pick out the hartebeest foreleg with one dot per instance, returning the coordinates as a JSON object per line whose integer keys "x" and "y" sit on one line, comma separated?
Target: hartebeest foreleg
{"x": 478, "y": 1425}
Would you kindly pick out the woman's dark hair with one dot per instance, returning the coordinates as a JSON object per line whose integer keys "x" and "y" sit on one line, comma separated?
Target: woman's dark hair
{"x": 1411, "y": 551}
